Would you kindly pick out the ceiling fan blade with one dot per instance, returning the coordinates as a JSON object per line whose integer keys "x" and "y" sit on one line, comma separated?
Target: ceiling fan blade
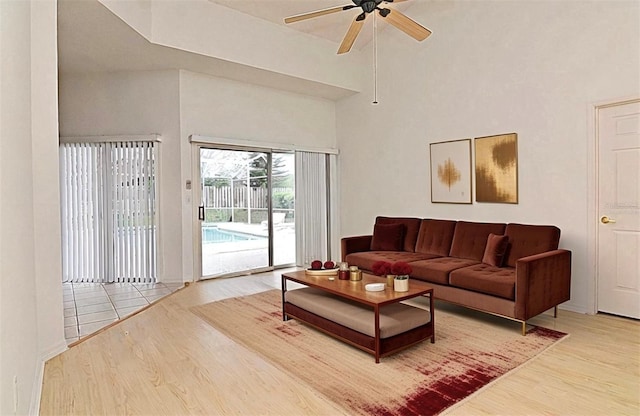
{"x": 317, "y": 13}
{"x": 351, "y": 34}
{"x": 408, "y": 26}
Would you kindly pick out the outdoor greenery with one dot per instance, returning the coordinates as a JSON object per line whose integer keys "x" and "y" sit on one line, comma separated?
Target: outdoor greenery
{"x": 239, "y": 215}
{"x": 284, "y": 199}
{"x": 226, "y": 174}
{"x": 217, "y": 182}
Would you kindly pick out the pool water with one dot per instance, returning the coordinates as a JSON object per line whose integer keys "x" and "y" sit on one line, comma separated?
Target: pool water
{"x": 214, "y": 235}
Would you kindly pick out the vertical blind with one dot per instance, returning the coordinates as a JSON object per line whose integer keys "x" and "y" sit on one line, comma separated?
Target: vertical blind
{"x": 108, "y": 212}
{"x": 312, "y": 186}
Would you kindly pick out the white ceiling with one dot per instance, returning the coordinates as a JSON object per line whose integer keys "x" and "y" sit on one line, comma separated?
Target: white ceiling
{"x": 92, "y": 39}
{"x": 332, "y": 26}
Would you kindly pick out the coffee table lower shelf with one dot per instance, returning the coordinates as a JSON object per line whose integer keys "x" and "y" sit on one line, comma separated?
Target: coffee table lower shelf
{"x": 357, "y": 339}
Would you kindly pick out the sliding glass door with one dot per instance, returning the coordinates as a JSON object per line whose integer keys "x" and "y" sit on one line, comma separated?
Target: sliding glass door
{"x": 246, "y": 211}
{"x": 283, "y": 207}
{"x": 108, "y": 207}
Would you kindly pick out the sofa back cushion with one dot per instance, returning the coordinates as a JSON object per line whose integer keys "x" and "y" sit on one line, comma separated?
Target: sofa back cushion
{"x": 435, "y": 237}
{"x": 527, "y": 240}
{"x": 387, "y": 237}
{"x": 411, "y": 227}
{"x": 470, "y": 239}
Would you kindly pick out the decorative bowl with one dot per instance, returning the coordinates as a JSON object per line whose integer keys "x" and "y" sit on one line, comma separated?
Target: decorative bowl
{"x": 322, "y": 272}
{"x": 374, "y": 287}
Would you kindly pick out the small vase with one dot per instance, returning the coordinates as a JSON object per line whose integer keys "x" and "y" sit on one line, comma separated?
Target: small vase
{"x": 401, "y": 283}
{"x": 390, "y": 278}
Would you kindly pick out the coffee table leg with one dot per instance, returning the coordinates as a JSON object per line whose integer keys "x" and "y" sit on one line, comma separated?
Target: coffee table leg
{"x": 376, "y": 310}
{"x": 284, "y": 290}
{"x": 433, "y": 317}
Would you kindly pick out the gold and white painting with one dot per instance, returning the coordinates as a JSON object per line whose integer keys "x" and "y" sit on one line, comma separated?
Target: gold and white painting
{"x": 497, "y": 168}
{"x": 451, "y": 171}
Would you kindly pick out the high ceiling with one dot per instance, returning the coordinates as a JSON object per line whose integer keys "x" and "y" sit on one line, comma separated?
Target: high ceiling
{"x": 332, "y": 27}
{"x": 92, "y": 39}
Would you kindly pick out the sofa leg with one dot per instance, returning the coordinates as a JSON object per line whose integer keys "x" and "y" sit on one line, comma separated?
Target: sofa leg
{"x": 555, "y": 311}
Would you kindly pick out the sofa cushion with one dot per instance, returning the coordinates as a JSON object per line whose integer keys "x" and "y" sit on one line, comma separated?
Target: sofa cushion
{"x": 486, "y": 279}
{"x": 365, "y": 259}
{"x": 495, "y": 249}
{"x": 435, "y": 236}
{"x": 470, "y": 239}
{"x": 527, "y": 240}
{"x": 387, "y": 237}
{"x": 437, "y": 270}
{"x": 412, "y": 225}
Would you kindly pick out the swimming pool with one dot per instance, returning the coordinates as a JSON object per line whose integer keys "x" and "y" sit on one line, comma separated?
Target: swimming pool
{"x": 214, "y": 235}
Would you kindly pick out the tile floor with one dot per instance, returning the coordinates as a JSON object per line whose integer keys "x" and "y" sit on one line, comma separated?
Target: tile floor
{"x": 89, "y": 307}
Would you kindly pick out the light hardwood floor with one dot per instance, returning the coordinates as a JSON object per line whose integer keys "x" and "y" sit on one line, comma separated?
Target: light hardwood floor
{"x": 167, "y": 361}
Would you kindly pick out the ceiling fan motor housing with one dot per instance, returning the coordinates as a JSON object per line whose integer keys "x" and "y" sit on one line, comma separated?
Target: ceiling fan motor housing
{"x": 367, "y": 5}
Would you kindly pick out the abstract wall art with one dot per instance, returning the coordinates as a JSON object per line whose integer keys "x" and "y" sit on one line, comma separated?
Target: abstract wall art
{"x": 497, "y": 168}
{"x": 451, "y": 171}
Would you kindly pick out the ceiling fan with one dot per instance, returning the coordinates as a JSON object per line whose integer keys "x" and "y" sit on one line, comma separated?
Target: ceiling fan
{"x": 394, "y": 17}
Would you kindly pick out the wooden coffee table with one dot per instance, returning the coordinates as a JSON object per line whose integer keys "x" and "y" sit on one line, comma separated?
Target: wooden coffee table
{"x": 355, "y": 292}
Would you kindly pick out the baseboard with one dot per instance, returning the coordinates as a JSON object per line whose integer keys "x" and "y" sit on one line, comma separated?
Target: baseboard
{"x": 36, "y": 391}
{"x": 171, "y": 281}
{"x": 573, "y": 308}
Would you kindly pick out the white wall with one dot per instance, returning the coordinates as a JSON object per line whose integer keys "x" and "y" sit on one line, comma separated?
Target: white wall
{"x": 134, "y": 103}
{"x": 491, "y": 67}
{"x": 31, "y": 325}
{"x": 177, "y": 104}
{"x": 221, "y": 108}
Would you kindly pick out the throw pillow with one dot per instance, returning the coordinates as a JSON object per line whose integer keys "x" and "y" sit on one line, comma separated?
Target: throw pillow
{"x": 387, "y": 237}
{"x": 495, "y": 250}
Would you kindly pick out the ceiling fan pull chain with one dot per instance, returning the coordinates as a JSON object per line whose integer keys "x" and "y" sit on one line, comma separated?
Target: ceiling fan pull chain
{"x": 375, "y": 59}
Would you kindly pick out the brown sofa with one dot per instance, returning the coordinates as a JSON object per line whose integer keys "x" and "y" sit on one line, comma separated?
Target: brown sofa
{"x": 512, "y": 270}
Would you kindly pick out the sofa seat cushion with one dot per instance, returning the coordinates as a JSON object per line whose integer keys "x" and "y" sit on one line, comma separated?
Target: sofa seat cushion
{"x": 437, "y": 270}
{"x": 395, "y": 319}
{"x": 364, "y": 260}
{"x": 484, "y": 278}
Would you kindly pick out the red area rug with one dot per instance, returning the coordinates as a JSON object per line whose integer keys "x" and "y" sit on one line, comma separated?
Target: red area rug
{"x": 423, "y": 380}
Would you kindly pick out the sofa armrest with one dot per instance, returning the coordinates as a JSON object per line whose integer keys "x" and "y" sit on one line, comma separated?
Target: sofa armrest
{"x": 543, "y": 281}
{"x": 355, "y": 244}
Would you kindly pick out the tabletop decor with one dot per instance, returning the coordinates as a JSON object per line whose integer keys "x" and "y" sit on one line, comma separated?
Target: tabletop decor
{"x": 401, "y": 270}
{"x": 383, "y": 268}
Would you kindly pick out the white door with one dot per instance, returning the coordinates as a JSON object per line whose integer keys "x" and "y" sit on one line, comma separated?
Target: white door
{"x": 619, "y": 209}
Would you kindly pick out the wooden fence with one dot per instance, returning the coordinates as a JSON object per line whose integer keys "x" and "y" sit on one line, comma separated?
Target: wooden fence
{"x": 239, "y": 197}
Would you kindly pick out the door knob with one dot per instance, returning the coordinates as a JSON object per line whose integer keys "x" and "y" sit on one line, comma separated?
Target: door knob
{"x": 606, "y": 220}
